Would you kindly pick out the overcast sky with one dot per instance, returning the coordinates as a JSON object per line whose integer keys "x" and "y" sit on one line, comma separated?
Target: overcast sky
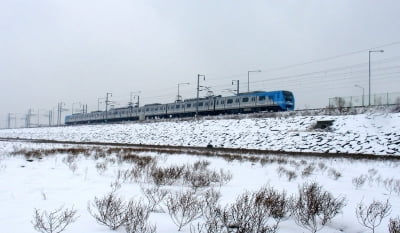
{"x": 78, "y": 50}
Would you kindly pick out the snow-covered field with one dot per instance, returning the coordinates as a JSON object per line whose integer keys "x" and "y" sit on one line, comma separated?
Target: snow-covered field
{"x": 65, "y": 179}
{"x": 368, "y": 133}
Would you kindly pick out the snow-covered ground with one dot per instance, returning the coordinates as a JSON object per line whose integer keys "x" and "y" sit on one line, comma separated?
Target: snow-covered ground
{"x": 55, "y": 180}
{"x": 368, "y": 133}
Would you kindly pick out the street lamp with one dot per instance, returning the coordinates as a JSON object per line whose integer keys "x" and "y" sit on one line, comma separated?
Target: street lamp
{"x": 132, "y": 97}
{"x": 179, "y": 97}
{"x": 237, "y": 88}
{"x": 248, "y": 78}
{"x": 198, "y": 89}
{"x": 107, "y": 103}
{"x": 369, "y": 73}
{"x": 362, "y": 94}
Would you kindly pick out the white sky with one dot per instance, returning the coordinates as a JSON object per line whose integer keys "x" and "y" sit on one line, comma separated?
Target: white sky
{"x": 77, "y": 51}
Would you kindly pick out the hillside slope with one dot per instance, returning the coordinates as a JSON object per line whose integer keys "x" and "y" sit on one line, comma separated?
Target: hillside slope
{"x": 368, "y": 133}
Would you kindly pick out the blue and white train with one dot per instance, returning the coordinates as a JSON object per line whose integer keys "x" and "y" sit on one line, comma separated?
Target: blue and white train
{"x": 243, "y": 103}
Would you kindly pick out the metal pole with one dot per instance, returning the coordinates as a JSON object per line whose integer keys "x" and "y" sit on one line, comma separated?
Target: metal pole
{"x": 369, "y": 73}
{"x": 107, "y": 105}
{"x": 248, "y": 81}
{"x": 179, "y": 97}
{"x": 363, "y": 97}
{"x": 198, "y": 89}
{"x": 362, "y": 93}
{"x": 369, "y": 78}
{"x": 237, "y": 86}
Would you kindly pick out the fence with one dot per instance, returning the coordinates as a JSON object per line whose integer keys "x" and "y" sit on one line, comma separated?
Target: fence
{"x": 359, "y": 101}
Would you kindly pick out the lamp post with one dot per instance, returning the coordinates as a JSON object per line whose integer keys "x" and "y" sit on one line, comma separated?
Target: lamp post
{"x": 369, "y": 73}
{"x": 179, "y": 97}
{"x": 248, "y": 78}
{"x": 237, "y": 88}
{"x": 107, "y": 102}
{"x": 132, "y": 97}
{"x": 362, "y": 94}
{"x": 198, "y": 89}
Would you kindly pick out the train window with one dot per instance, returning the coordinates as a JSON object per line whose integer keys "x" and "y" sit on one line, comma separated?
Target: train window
{"x": 188, "y": 105}
{"x": 288, "y": 96}
{"x": 177, "y": 106}
{"x": 217, "y": 102}
{"x": 237, "y": 101}
{"x": 245, "y": 99}
{"x": 253, "y": 99}
{"x": 222, "y": 101}
{"x": 147, "y": 109}
{"x": 229, "y": 101}
{"x": 261, "y": 98}
{"x": 200, "y": 104}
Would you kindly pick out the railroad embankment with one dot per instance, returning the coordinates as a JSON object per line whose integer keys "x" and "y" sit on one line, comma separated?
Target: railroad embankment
{"x": 367, "y": 133}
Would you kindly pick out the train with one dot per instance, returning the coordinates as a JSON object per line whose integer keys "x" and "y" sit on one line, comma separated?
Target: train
{"x": 248, "y": 102}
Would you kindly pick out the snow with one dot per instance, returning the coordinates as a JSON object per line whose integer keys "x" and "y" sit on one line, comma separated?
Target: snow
{"x": 368, "y": 133}
{"x": 49, "y": 183}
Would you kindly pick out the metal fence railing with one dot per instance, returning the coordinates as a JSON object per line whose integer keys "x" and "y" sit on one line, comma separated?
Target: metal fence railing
{"x": 359, "y": 101}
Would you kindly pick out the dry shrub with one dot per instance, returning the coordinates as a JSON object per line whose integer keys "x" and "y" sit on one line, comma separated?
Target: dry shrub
{"x": 136, "y": 218}
{"x": 261, "y": 211}
{"x": 359, "y": 181}
{"x": 109, "y": 210}
{"x": 372, "y": 215}
{"x": 394, "y": 225}
{"x": 313, "y": 208}
{"x": 155, "y": 195}
{"x": 289, "y": 174}
{"x": 334, "y": 174}
{"x": 183, "y": 207}
{"x": 211, "y": 213}
{"x": 101, "y": 167}
{"x": 392, "y": 185}
{"x": 307, "y": 171}
{"x": 140, "y": 160}
{"x": 166, "y": 176}
{"x": 196, "y": 175}
{"x": 201, "y": 177}
{"x": 54, "y": 222}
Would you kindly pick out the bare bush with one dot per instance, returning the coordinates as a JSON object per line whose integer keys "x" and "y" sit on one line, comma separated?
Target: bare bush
{"x": 394, "y": 225}
{"x": 54, "y": 222}
{"x": 196, "y": 175}
{"x": 322, "y": 166}
{"x": 101, "y": 167}
{"x": 359, "y": 181}
{"x": 205, "y": 177}
{"x": 253, "y": 212}
{"x": 109, "y": 210}
{"x": 392, "y": 185}
{"x": 334, "y": 174}
{"x": 313, "y": 208}
{"x": 289, "y": 174}
{"x": 211, "y": 213}
{"x": 372, "y": 215}
{"x": 136, "y": 218}
{"x": 307, "y": 171}
{"x": 155, "y": 195}
{"x": 183, "y": 207}
{"x": 166, "y": 176}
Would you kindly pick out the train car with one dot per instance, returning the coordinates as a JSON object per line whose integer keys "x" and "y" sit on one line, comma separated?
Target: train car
{"x": 248, "y": 102}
